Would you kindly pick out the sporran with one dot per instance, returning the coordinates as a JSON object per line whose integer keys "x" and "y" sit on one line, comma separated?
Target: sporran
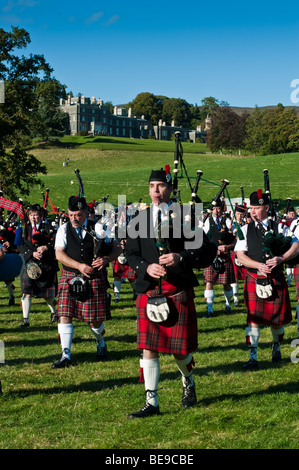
{"x": 34, "y": 271}
{"x": 263, "y": 288}
{"x": 157, "y": 309}
{"x": 79, "y": 289}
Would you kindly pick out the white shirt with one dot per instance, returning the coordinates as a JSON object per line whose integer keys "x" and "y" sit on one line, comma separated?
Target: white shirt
{"x": 242, "y": 245}
{"x": 61, "y": 242}
{"x": 296, "y": 231}
{"x": 206, "y": 226}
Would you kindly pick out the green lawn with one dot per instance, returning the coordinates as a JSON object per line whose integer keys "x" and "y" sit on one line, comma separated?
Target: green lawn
{"x": 86, "y": 407}
{"x": 114, "y": 169}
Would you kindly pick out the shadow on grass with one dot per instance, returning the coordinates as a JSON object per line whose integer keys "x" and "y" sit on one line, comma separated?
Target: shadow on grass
{"x": 291, "y": 388}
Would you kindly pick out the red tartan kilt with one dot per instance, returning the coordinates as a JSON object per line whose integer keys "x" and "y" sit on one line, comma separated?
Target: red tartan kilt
{"x": 240, "y": 271}
{"x": 123, "y": 270}
{"x": 228, "y": 277}
{"x": 273, "y": 311}
{"x": 97, "y": 308}
{"x": 178, "y": 334}
{"x": 296, "y": 279}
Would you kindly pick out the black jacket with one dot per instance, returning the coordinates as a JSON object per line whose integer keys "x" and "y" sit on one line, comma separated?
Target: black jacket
{"x": 142, "y": 251}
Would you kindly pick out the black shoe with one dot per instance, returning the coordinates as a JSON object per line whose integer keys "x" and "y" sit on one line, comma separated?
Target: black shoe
{"x": 146, "y": 410}
{"x": 189, "y": 396}
{"x": 11, "y": 301}
{"x": 25, "y": 323}
{"x": 250, "y": 365}
{"x": 227, "y": 310}
{"x": 276, "y": 354}
{"x": 209, "y": 313}
{"x": 102, "y": 353}
{"x": 63, "y": 362}
{"x": 116, "y": 301}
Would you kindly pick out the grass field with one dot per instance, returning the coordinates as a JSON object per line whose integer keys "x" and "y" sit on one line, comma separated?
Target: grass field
{"x": 86, "y": 406}
{"x": 123, "y": 167}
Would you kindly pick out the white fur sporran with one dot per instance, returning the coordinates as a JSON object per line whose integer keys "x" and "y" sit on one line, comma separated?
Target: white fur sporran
{"x": 263, "y": 288}
{"x": 157, "y": 309}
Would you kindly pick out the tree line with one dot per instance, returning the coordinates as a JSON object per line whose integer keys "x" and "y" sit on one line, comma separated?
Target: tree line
{"x": 262, "y": 132}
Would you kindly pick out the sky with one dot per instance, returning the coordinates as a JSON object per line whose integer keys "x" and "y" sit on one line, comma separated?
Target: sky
{"x": 244, "y": 53}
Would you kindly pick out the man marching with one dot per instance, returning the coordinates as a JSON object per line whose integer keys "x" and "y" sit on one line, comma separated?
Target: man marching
{"x": 219, "y": 230}
{"x": 265, "y": 291}
{"x": 82, "y": 292}
{"x": 172, "y": 271}
{"x": 39, "y": 278}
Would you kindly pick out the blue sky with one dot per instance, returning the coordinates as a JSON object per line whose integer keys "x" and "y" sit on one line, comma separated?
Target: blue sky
{"x": 245, "y": 53}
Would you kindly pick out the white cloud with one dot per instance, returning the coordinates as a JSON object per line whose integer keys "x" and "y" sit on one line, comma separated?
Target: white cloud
{"x": 112, "y": 20}
{"x": 95, "y": 17}
{"x": 11, "y": 4}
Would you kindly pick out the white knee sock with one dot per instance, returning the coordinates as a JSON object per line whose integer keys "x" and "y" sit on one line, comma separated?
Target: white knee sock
{"x": 289, "y": 275}
{"x": 228, "y": 296}
{"x": 98, "y": 333}
{"x": 26, "y": 305}
{"x": 66, "y": 333}
{"x": 185, "y": 367}
{"x": 151, "y": 373}
{"x": 209, "y": 296}
{"x": 252, "y": 339}
{"x": 51, "y": 304}
{"x": 116, "y": 288}
{"x": 235, "y": 287}
{"x": 277, "y": 334}
{"x": 10, "y": 288}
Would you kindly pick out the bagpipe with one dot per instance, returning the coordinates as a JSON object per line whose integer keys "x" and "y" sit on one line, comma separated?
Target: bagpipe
{"x": 225, "y": 235}
{"x": 275, "y": 243}
{"x": 178, "y": 159}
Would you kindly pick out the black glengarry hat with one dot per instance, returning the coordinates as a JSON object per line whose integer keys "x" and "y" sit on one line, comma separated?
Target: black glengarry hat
{"x": 161, "y": 175}
{"x": 35, "y": 208}
{"x": 77, "y": 204}
{"x": 258, "y": 198}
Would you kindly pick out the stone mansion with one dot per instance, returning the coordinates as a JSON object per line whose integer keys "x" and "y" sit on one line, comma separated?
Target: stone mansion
{"x": 91, "y": 116}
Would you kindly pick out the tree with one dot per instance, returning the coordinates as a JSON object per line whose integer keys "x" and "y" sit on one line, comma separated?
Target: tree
{"x": 148, "y": 105}
{"x": 272, "y": 131}
{"x": 227, "y": 131}
{"x": 177, "y": 110}
{"x": 19, "y": 113}
{"x": 210, "y": 104}
{"x": 49, "y": 120}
